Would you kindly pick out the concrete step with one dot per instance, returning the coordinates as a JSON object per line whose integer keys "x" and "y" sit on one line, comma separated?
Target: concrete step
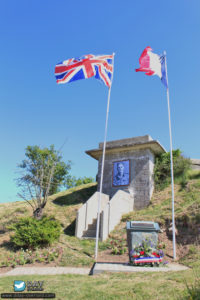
{"x": 89, "y": 233}
{"x": 92, "y": 226}
{"x": 88, "y": 238}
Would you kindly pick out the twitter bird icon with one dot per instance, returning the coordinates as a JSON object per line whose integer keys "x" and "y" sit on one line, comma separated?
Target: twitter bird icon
{"x": 19, "y": 286}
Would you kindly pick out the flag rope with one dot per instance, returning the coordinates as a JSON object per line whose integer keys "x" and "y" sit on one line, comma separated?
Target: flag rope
{"x": 102, "y": 167}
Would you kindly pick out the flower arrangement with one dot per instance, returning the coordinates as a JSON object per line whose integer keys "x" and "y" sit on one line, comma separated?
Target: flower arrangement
{"x": 147, "y": 254}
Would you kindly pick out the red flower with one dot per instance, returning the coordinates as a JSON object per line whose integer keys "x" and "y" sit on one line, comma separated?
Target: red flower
{"x": 142, "y": 252}
{"x": 155, "y": 254}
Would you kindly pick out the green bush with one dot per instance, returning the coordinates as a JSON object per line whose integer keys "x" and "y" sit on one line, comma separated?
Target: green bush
{"x": 30, "y": 233}
{"x": 118, "y": 246}
{"x": 162, "y": 169}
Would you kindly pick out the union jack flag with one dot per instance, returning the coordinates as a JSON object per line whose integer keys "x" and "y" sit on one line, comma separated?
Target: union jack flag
{"x": 99, "y": 66}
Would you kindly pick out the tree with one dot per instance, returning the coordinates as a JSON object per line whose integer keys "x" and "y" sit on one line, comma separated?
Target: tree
{"x": 162, "y": 168}
{"x": 43, "y": 172}
{"x": 72, "y": 181}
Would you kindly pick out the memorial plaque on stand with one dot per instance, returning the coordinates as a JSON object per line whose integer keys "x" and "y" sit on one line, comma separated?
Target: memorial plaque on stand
{"x": 138, "y": 231}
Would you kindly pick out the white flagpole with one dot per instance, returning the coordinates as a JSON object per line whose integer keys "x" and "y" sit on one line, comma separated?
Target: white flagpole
{"x": 172, "y": 170}
{"x": 102, "y": 167}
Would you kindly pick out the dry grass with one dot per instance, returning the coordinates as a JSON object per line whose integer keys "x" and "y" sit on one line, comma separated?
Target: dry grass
{"x": 77, "y": 252}
{"x": 64, "y": 206}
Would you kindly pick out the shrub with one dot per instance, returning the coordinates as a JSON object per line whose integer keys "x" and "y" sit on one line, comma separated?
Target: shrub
{"x": 162, "y": 169}
{"x": 31, "y": 233}
{"x": 23, "y": 257}
{"x": 118, "y": 246}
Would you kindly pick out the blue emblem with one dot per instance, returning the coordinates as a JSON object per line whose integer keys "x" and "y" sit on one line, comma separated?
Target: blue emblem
{"x": 19, "y": 286}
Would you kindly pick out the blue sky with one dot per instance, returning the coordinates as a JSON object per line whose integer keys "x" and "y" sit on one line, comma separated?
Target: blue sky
{"x": 35, "y": 35}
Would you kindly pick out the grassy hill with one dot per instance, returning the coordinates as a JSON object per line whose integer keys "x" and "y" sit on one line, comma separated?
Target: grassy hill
{"x": 75, "y": 252}
{"x": 176, "y": 285}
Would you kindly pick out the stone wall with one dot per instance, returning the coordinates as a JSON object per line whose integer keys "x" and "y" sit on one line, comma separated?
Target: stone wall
{"x": 121, "y": 203}
{"x": 141, "y": 175}
{"x": 195, "y": 164}
{"x": 88, "y": 211}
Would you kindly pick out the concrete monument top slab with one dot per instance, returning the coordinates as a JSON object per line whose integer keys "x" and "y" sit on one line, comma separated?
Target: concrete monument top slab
{"x": 129, "y": 144}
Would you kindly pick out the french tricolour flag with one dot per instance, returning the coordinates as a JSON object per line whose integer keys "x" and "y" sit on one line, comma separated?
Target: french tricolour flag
{"x": 148, "y": 260}
{"x": 153, "y": 64}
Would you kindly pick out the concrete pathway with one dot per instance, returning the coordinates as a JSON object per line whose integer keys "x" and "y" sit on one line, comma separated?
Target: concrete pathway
{"x": 113, "y": 267}
{"x": 97, "y": 268}
{"x": 45, "y": 271}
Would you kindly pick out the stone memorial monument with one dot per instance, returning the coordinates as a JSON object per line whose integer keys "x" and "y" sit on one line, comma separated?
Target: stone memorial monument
{"x": 127, "y": 183}
{"x": 129, "y": 167}
{"x": 138, "y": 231}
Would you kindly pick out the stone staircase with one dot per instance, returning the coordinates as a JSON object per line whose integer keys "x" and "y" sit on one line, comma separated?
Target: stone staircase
{"x": 90, "y": 233}
{"x": 110, "y": 214}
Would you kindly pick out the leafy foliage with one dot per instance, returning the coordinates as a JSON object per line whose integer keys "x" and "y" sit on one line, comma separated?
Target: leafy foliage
{"x": 30, "y": 233}
{"x": 23, "y": 257}
{"x": 41, "y": 160}
{"x": 118, "y": 246}
{"x": 72, "y": 181}
{"x": 162, "y": 169}
{"x": 43, "y": 172}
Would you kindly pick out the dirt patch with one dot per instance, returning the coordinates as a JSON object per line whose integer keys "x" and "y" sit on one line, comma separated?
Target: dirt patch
{"x": 181, "y": 250}
{"x": 5, "y": 269}
{"x": 106, "y": 256}
{"x": 4, "y": 238}
{"x": 184, "y": 239}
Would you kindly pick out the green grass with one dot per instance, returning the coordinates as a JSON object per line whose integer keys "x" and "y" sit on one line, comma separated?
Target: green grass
{"x": 80, "y": 253}
{"x": 192, "y": 258}
{"x": 63, "y": 206}
{"x": 187, "y": 202}
{"x": 75, "y": 195}
{"x": 193, "y": 174}
{"x": 113, "y": 286}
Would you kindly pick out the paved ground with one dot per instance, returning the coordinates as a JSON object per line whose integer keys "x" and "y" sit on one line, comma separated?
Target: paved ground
{"x": 98, "y": 268}
{"x": 110, "y": 267}
{"x": 46, "y": 271}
